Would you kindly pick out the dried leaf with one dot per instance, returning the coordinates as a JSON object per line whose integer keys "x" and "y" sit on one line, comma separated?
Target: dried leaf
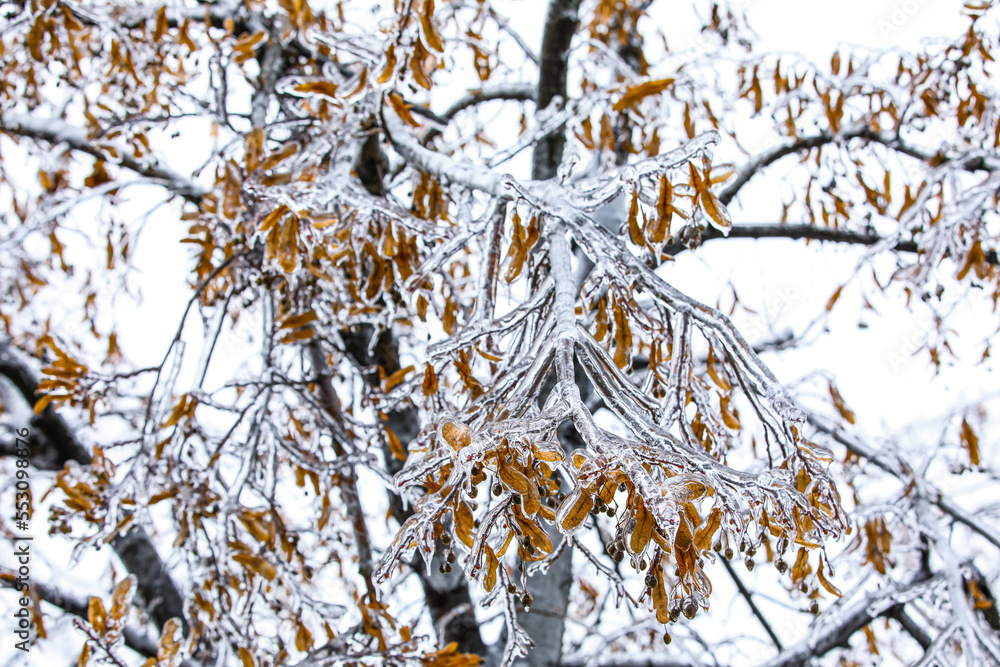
{"x": 574, "y": 510}
{"x": 838, "y": 402}
{"x": 644, "y": 524}
{"x": 458, "y": 436}
{"x": 402, "y": 110}
{"x": 492, "y": 565}
{"x": 635, "y": 94}
{"x": 96, "y": 615}
{"x": 325, "y": 88}
{"x": 970, "y": 441}
{"x": 430, "y": 383}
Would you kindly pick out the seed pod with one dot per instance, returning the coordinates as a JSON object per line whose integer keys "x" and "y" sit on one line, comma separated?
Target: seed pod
{"x": 511, "y": 588}
{"x": 450, "y": 557}
{"x": 497, "y": 489}
{"x": 729, "y": 553}
{"x": 472, "y": 492}
{"x": 749, "y": 563}
{"x": 781, "y": 565}
{"x": 690, "y": 608}
{"x": 666, "y": 638}
{"x": 526, "y": 600}
{"x": 814, "y": 608}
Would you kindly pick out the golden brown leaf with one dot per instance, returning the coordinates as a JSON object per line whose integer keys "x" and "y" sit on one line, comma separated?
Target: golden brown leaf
{"x": 402, "y": 110}
{"x": 838, "y": 402}
{"x": 458, "y": 436}
{"x": 431, "y": 33}
{"x": 703, "y": 536}
{"x": 96, "y": 615}
{"x": 397, "y": 377}
{"x": 325, "y": 88}
{"x": 644, "y": 524}
{"x": 635, "y": 94}
{"x": 492, "y": 564}
{"x": 464, "y": 526}
{"x": 574, "y": 510}
{"x": 430, "y": 384}
{"x": 833, "y": 298}
{"x": 970, "y": 441}
{"x": 303, "y": 638}
{"x": 390, "y": 65}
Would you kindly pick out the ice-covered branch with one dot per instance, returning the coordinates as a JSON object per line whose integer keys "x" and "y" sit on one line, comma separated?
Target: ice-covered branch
{"x": 57, "y": 131}
{"x": 862, "y": 130}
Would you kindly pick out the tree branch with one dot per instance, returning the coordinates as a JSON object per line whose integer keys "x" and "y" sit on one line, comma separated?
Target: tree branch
{"x": 856, "y": 131}
{"x": 561, "y": 23}
{"x": 56, "y": 131}
{"x": 134, "y": 548}
{"x": 753, "y": 605}
{"x": 135, "y": 640}
{"x": 447, "y": 594}
{"x": 897, "y": 467}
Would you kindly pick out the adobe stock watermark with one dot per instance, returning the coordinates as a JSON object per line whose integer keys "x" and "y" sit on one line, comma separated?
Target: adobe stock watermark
{"x": 909, "y": 346}
{"x": 899, "y": 16}
{"x": 760, "y": 329}
{"x": 22, "y": 541}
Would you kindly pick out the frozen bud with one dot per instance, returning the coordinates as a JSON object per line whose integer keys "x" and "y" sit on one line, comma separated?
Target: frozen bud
{"x": 526, "y": 600}
{"x": 814, "y": 608}
{"x": 618, "y": 556}
{"x": 450, "y": 557}
{"x": 446, "y": 539}
{"x": 729, "y": 553}
{"x": 781, "y": 565}
{"x": 497, "y": 489}
{"x": 651, "y": 580}
{"x": 717, "y": 546}
{"x": 749, "y": 563}
{"x": 511, "y": 588}
{"x": 690, "y": 608}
